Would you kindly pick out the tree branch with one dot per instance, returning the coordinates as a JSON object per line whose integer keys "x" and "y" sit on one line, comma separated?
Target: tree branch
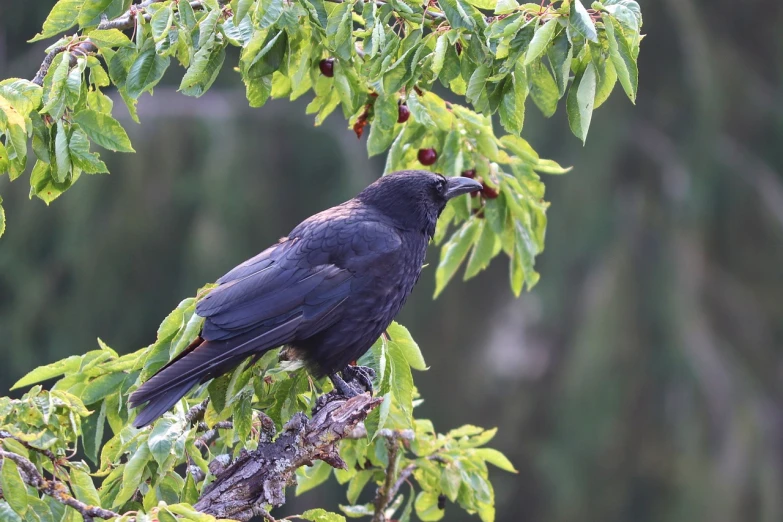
{"x": 47, "y": 453}
{"x": 261, "y": 476}
{"x": 125, "y": 21}
{"x": 55, "y": 489}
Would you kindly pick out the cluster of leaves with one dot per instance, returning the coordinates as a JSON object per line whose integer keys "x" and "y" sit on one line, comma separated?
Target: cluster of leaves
{"x": 142, "y": 470}
{"x": 495, "y": 53}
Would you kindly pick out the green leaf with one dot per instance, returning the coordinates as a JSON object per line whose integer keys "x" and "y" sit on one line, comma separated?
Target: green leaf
{"x": 379, "y": 139}
{"x": 427, "y": 506}
{"x": 548, "y": 166}
{"x": 454, "y": 252}
{"x": 145, "y": 73}
{"x": 560, "y": 55}
{"x": 439, "y": 55}
{"x": 54, "y": 102}
{"x": 483, "y": 4}
{"x": 23, "y": 95}
{"x": 506, "y": 6}
{"x": 160, "y": 23}
{"x": 268, "y": 12}
{"x": 132, "y": 475}
{"x": 401, "y": 381}
{"x": 579, "y": 105}
{"x": 109, "y": 38}
{"x": 91, "y": 10}
{"x": 55, "y": 369}
{"x": 242, "y": 8}
{"x": 62, "y": 16}
{"x": 84, "y": 488}
{"x": 541, "y": 39}
{"x": 203, "y": 72}
{"x": 486, "y": 248}
{"x": 407, "y": 346}
{"x": 103, "y": 130}
{"x": 61, "y": 154}
{"x": 580, "y": 20}
{"x": 81, "y": 156}
{"x": 512, "y": 105}
{"x": 102, "y": 386}
{"x": 607, "y": 78}
{"x": 258, "y": 90}
{"x": 92, "y": 432}
{"x": 309, "y": 477}
{"x": 477, "y": 84}
{"x": 450, "y": 481}
{"x": 2, "y": 212}
{"x": 543, "y": 88}
{"x": 243, "y": 415}
{"x": 496, "y": 458}
{"x": 357, "y": 484}
{"x": 459, "y": 14}
{"x": 321, "y": 515}
{"x": 14, "y": 489}
{"x": 622, "y": 58}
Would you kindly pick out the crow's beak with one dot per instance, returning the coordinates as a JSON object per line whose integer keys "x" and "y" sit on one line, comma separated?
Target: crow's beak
{"x": 457, "y": 186}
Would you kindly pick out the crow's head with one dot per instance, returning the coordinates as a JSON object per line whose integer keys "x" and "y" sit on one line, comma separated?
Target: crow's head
{"x": 415, "y": 198}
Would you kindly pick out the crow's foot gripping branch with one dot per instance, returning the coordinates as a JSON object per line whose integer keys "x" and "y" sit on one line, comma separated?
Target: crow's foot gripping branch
{"x": 260, "y": 477}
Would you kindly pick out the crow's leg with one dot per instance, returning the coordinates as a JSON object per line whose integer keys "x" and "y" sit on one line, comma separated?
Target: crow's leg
{"x": 345, "y": 389}
{"x": 361, "y": 375}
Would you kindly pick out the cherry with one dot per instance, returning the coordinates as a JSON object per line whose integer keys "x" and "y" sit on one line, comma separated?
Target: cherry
{"x": 327, "y": 67}
{"x": 469, "y": 173}
{"x": 427, "y": 156}
{"x": 488, "y": 192}
{"x": 403, "y": 113}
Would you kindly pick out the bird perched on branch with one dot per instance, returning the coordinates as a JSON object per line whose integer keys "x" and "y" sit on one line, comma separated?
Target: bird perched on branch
{"x": 328, "y": 290}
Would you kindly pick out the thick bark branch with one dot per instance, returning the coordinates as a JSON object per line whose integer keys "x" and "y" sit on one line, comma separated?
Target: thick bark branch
{"x": 261, "y": 476}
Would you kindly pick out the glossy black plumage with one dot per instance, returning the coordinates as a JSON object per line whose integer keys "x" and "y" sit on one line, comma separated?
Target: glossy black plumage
{"x": 328, "y": 289}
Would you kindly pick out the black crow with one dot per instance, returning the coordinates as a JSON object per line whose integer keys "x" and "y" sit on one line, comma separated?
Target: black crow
{"x": 328, "y": 290}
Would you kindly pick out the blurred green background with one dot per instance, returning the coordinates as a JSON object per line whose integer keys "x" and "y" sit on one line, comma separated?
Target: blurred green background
{"x": 642, "y": 379}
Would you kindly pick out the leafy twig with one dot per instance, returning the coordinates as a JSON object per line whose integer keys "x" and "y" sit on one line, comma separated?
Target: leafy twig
{"x": 51, "y": 456}
{"x": 55, "y": 489}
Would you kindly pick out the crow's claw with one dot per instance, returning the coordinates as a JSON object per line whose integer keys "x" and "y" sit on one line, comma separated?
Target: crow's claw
{"x": 361, "y": 375}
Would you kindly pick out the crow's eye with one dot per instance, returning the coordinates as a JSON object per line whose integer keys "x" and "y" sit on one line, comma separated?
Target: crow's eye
{"x": 441, "y": 184}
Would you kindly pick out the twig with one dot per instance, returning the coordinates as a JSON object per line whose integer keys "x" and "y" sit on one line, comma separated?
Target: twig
{"x": 196, "y": 413}
{"x": 51, "y": 456}
{"x": 55, "y": 489}
{"x": 205, "y": 440}
{"x": 385, "y": 492}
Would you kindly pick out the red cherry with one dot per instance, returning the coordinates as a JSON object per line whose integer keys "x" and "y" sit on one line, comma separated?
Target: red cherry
{"x": 469, "y": 173}
{"x": 488, "y": 192}
{"x": 327, "y": 67}
{"x": 427, "y": 156}
{"x": 403, "y": 113}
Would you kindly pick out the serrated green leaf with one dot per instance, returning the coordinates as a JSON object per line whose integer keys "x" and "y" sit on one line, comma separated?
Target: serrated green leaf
{"x": 55, "y": 97}
{"x": 161, "y": 438}
{"x": 23, "y": 95}
{"x": 580, "y": 20}
{"x": 427, "y": 506}
{"x": 560, "y": 55}
{"x": 495, "y": 458}
{"x": 309, "y": 477}
{"x": 241, "y": 9}
{"x": 203, "y": 72}
{"x": 43, "y": 373}
{"x": 62, "y": 165}
{"x": 92, "y": 432}
{"x": 84, "y": 488}
{"x": 102, "y": 386}
{"x": 485, "y": 249}
{"x": 243, "y": 415}
{"x": 450, "y": 481}
{"x": 543, "y": 88}
{"x": 62, "y": 17}
{"x": 622, "y": 58}
{"x": 91, "y": 10}
{"x": 268, "y": 12}
{"x": 477, "y": 84}
{"x": 459, "y": 14}
{"x": 81, "y": 156}
{"x": 103, "y": 130}
{"x": 321, "y": 515}
{"x": 146, "y": 71}
{"x": 160, "y": 23}
{"x": 109, "y": 38}
{"x": 484, "y": 4}
{"x": 607, "y": 78}
{"x": 439, "y": 55}
{"x": 132, "y": 475}
{"x": 579, "y": 105}
{"x": 401, "y": 381}
{"x": 14, "y": 489}
{"x": 506, "y": 6}
{"x": 541, "y": 39}
{"x": 454, "y": 252}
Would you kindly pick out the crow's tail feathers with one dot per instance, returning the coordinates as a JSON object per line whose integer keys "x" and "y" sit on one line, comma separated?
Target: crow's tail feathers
{"x": 197, "y": 363}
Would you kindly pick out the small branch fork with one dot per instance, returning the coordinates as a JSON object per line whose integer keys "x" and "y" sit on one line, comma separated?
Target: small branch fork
{"x": 55, "y": 489}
